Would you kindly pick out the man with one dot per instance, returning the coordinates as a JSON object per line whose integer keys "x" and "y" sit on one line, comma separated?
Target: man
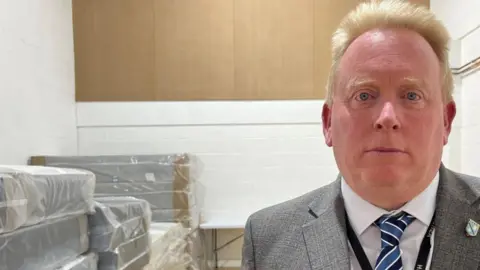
{"x": 387, "y": 116}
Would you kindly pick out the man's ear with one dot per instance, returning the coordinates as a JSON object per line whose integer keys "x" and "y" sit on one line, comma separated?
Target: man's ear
{"x": 449, "y": 112}
{"x": 326, "y": 122}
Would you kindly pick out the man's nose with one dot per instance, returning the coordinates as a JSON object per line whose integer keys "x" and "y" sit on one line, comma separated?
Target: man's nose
{"x": 387, "y": 120}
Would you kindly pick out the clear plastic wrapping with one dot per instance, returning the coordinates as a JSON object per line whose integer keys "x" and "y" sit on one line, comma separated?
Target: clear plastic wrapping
{"x": 119, "y": 232}
{"x": 44, "y": 246}
{"x": 169, "y": 247}
{"x": 30, "y": 195}
{"x": 167, "y": 182}
{"x": 133, "y": 254}
{"x": 84, "y": 262}
{"x": 117, "y": 220}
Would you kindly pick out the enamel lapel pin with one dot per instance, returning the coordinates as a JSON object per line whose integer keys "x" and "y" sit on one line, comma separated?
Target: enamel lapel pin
{"x": 472, "y": 228}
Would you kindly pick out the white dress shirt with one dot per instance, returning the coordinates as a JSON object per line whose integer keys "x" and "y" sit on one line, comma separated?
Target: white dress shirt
{"x": 363, "y": 214}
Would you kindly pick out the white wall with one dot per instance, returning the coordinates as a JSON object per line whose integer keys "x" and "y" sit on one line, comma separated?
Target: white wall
{"x": 254, "y": 153}
{"x": 462, "y": 20}
{"x": 37, "y": 105}
{"x": 459, "y": 16}
{"x": 470, "y": 134}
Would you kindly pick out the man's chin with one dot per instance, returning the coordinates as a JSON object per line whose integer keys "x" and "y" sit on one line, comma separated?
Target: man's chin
{"x": 384, "y": 175}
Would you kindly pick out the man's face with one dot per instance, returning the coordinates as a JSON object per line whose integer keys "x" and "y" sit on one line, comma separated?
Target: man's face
{"x": 388, "y": 122}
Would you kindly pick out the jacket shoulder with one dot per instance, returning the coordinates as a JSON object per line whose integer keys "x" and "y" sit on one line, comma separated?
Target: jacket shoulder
{"x": 470, "y": 179}
{"x": 466, "y": 185}
{"x": 295, "y": 209}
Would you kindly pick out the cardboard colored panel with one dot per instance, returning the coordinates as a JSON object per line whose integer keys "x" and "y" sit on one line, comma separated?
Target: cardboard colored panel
{"x": 114, "y": 48}
{"x": 147, "y": 50}
{"x": 328, "y": 14}
{"x": 86, "y": 73}
{"x": 194, "y": 49}
{"x": 274, "y": 49}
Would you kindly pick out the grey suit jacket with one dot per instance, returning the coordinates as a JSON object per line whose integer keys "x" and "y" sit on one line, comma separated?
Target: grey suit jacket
{"x": 309, "y": 232}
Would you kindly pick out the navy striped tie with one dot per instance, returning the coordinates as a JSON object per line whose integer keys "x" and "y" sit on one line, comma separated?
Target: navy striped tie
{"x": 392, "y": 228}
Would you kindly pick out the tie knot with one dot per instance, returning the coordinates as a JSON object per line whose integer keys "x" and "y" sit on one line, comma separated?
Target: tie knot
{"x": 392, "y": 227}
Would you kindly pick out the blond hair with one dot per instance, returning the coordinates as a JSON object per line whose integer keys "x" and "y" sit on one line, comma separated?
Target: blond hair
{"x": 378, "y": 14}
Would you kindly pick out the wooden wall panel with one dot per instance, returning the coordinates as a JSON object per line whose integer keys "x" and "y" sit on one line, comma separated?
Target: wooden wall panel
{"x": 274, "y": 49}
{"x": 114, "y": 50}
{"x": 194, "y": 49}
{"x": 86, "y": 72}
{"x": 328, "y": 14}
{"x": 164, "y": 50}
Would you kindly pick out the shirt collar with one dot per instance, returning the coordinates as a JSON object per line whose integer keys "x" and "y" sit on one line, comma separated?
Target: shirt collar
{"x": 362, "y": 214}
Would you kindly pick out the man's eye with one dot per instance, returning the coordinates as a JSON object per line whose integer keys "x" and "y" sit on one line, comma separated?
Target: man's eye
{"x": 363, "y": 96}
{"x": 412, "y": 96}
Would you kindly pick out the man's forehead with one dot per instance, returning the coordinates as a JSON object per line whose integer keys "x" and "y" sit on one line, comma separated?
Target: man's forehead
{"x": 382, "y": 52}
{"x": 388, "y": 36}
{"x": 381, "y": 42}
{"x": 376, "y": 36}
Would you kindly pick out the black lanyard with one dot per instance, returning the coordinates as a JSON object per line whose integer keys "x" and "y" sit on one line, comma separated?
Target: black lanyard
{"x": 363, "y": 260}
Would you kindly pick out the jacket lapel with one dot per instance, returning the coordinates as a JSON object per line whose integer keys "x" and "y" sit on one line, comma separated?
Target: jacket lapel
{"x": 325, "y": 236}
{"x": 457, "y": 202}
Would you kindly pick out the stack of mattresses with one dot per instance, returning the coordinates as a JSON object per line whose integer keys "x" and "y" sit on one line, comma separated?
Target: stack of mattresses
{"x": 119, "y": 233}
{"x": 44, "y": 217}
{"x": 167, "y": 182}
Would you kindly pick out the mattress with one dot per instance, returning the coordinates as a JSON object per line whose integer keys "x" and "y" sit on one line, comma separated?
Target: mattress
{"x": 160, "y": 196}
{"x": 88, "y": 261}
{"x": 133, "y": 254}
{"x": 165, "y": 181}
{"x": 44, "y": 246}
{"x": 116, "y": 221}
{"x": 30, "y": 195}
{"x": 122, "y": 169}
